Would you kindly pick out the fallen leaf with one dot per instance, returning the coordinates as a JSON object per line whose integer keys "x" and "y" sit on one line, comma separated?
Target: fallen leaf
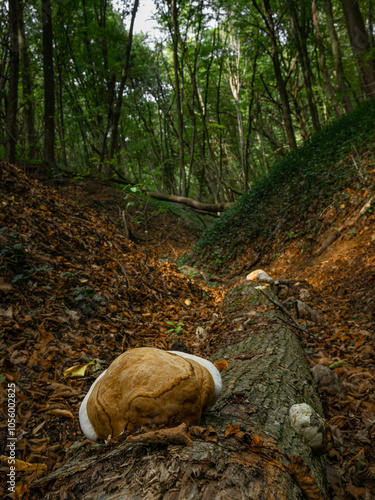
{"x": 7, "y": 313}
{"x": 77, "y": 370}
{"x": 60, "y": 413}
{"x": 231, "y": 430}
{"x": 338, "y": 364}
{"x": 22, "y": 489}
{"x": 23, "y": 466}
{"x": 256, "y": 444}
{"x": 221, "y": 365}
{"x": 306, "y": 481}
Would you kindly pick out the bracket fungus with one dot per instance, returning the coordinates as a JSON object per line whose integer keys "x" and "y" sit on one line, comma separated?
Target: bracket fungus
{"x": 312, "y": 427}
{"x": 148, "y": 388}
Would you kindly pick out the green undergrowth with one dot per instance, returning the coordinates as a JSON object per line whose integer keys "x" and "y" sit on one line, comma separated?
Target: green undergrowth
{"x": 295, "y": 191}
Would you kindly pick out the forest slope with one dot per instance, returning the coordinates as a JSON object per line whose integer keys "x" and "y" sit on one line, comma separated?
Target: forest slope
{"x": 75, "y": 293}
{"x": 331, "y": 174}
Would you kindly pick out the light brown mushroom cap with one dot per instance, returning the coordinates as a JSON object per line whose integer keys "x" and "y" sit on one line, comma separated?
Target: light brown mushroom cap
{"x": 146, "y": 388}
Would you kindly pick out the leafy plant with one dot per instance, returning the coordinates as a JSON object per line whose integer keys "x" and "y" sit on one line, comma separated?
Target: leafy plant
{"x": 82, "y": 293}
{"x": 177, "y": 328}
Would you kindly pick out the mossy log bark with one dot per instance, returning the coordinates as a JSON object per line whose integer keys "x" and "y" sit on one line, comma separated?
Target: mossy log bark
{"x": 267, "y": 373}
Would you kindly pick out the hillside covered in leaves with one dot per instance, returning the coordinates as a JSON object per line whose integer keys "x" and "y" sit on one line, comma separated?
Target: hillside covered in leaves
{"x": 75, "y": 293}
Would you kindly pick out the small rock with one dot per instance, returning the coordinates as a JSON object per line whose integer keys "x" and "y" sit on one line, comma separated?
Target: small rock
{"x": 304, "y": 294}
{"x": 326, "y": 379}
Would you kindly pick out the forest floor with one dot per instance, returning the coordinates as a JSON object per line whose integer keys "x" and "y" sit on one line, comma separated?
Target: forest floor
{"x": 75, "y": 293}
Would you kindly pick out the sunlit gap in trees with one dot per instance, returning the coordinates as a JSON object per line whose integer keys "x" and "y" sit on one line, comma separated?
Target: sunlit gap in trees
{"x": 146, "y": 23}
{"x": 144, "y": 20}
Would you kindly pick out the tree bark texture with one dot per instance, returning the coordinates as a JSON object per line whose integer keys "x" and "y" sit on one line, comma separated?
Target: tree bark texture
{"x": 281, "y": 83}
{"x": 11, "y": 117}
{"x": 336, "y": 51}
{"x": 175, "y": 38}
{"x": 49, "y": 86}
{"x": 361, "y": 47}
{"x": 27, "y": 86}
{"x": 255, "y": 453}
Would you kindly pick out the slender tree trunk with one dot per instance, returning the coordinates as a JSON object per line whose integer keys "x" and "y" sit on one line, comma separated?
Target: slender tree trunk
{"x": 371, "y": 23}
{"x": 175, "y": 37}
{"x": 61, "y": 122}
{"x": 300, "y": 36}
{"x": 11, "y": 117}
{"x": 3, "y": 68}
{"x": 323, "y": 62}
{"x": 234, "y": 76}
{"x": 281, "y": 83}
{"x": 27, "y": 86}
{"x": 361, "y": 47}
{"x": 49, "y": 87}
{"x": 336, "y": 51}
{"x": 124, "y": 77}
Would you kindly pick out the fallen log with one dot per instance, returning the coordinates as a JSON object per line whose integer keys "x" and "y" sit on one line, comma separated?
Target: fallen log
{"x": 255, "y": 453}
{"x": 206, "y": 207}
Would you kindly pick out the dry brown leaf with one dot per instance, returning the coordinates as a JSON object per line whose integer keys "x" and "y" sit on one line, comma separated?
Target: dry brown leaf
{"x": 23, "y": 466}
{"x": 256, "y": 443}
{"x": 231, "y": 430}
{"x": 60, "y": 413}
{"x": 306, "y": 481}
{"x": 221, "y": 365}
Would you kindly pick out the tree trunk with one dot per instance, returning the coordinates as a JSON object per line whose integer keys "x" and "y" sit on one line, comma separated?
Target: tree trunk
{"x": 205, "y": 207}
{"x": 49, "y": 87}
{"x": 299, "y": 31}
{"x": 248, "y": 449}
{"x": 124, "y": 77}
{"x": 11, "y": 117}
{"x": 175, "y": 37}
{"x": 27, "y": 87}
{"x": 336, "y": 51}
{"x": 235, "y": 76}
{"x": 281, "y": 84}
{"x": 361, "y": 47}
{"x": 323, "y": 63}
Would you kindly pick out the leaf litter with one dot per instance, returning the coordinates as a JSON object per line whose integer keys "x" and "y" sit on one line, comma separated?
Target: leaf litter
{"x": 75, "y": 293}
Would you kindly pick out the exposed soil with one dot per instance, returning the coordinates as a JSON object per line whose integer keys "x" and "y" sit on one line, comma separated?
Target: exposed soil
{"x": 75, "y": 291}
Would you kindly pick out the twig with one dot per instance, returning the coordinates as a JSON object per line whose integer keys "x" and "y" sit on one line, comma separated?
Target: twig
{"x": 282, "y": 309}
{"x": 295, "y": 326}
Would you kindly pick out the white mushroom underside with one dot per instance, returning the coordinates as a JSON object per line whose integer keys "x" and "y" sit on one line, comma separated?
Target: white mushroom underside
{"x": 84, "y": 420}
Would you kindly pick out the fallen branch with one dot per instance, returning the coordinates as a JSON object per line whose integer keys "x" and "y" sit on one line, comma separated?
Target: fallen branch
{"x": 206, "y": 207}
{"x": 281, "y": 307}
{"x": 294, "y": 323}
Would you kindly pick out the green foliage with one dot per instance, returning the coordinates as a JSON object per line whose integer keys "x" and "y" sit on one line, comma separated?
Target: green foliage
{"x": 233, "y": 124}
{"x": 176, "y": 328}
